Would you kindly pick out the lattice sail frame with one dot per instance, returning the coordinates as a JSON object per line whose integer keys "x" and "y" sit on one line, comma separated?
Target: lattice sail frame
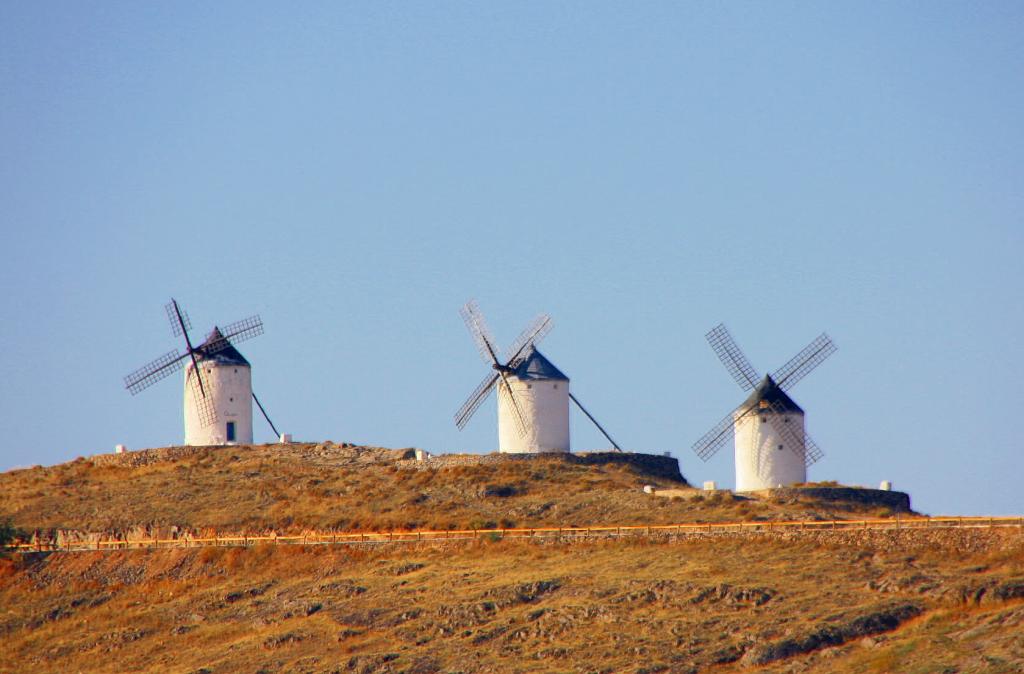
{"x": 173, "y": 311}
{"x": 505, "y": 389}
{"x": 476, "y": 398}
{"x": 481, "y": 334}
{"x": 800, "y": 365}
{"x": 202, "y": 396}
{"x": 231, "y": 334}
{"x": 154, "y": 371}
{"x": 537, "y": 330}
{"x": 732, "y": 357}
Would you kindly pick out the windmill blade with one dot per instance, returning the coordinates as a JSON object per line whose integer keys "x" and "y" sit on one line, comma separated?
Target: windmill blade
{"x": 812, "y": 452}
{"x": 232, "y": 334}
{"x": 477, "y": 326}
{"x": 713, "y": 440}
{"x": 591, "y": 417}
{"x": 202, "y": 397}
{"x": 152, "y": 372}
{"x": 517, "y": 412}
{"x": 803, "y": 446}
{"x": 475, "y": 399}
{"x": 180, "y": 323}
{"x": 729, "y": 353}
{"x": 240, "y": 331}
{"x": 800, "y": 365}
{"x": 536, "y": 331}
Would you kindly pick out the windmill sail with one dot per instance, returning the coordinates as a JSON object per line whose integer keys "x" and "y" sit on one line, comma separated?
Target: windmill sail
{"x": 201, "y": 385}
{"x": 768, "y": 407}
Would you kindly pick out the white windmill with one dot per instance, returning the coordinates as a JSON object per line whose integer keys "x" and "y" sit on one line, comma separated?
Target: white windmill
{"x": 772, "y": 447}
{"x": 218, "y": 381}
{"x": 533, "y": 394}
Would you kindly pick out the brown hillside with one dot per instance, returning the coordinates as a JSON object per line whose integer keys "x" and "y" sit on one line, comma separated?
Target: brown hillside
{"x": 290, "y": 487}
{"x": 831, "y": 600}
{"x": 949, "y": 601}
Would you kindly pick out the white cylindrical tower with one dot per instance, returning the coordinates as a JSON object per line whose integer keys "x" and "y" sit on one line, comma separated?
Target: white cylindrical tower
{"x": 542, "y": 394}
{"x": 227, "y": 380}
{"x": 765, "y": 458}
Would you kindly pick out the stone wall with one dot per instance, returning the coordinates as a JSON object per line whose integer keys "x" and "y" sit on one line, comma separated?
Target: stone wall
{"x": 898, "y": 501}
{"x": 144, "y": 457}
{"x": 652, "y": 465}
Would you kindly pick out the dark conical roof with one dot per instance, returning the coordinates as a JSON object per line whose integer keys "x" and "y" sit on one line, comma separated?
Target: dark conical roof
{"x": 536, "y": 366}
{"x": 228, "y": 355}
{"x": 768, "y": 391}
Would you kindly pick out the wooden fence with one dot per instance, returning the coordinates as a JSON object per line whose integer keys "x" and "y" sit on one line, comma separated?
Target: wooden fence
{"x": 573, "y": 534}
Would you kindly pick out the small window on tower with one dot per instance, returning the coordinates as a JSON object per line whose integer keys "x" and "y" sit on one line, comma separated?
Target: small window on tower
{"x": 231, "y": 431}
{"x": 763, "y": 419}
{"x": 786, "y": 420}
{"x": 556, "y": 385}
{"x": 780, "y": 446}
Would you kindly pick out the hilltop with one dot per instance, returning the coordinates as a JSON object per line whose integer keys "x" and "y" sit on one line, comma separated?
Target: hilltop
{"x": 346, "y": 487}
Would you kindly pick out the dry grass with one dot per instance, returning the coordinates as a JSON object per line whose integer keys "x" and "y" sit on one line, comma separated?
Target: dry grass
{"x": 625, "y": 606}
{"x": 722, "y": 604}
{"x": 287, "y": 489}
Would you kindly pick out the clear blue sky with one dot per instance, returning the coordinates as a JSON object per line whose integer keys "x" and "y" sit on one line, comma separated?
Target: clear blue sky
{"x": 354, "y": 172}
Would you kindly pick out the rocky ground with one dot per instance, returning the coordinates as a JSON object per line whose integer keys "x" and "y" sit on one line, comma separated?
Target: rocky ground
{"x": 783, "y": 601}
{"x": 874, "y": 602}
